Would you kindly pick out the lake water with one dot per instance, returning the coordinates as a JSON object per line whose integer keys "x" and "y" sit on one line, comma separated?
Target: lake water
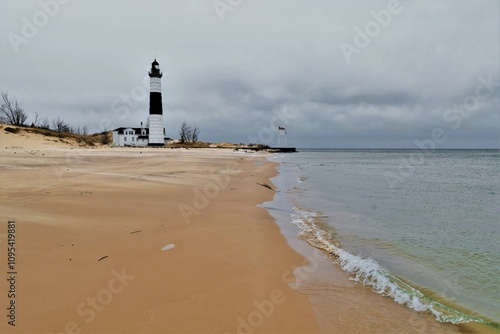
{"x": 419, "y": 226}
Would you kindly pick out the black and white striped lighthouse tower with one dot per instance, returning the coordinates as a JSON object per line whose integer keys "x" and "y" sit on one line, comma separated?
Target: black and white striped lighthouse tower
{"x": 156, "y": 129}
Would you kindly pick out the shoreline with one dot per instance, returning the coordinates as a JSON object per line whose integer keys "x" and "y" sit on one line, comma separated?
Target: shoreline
{"x": 327, "y": 284}
{"x": 151, "y": 240}
{"x": 147, "y": 241}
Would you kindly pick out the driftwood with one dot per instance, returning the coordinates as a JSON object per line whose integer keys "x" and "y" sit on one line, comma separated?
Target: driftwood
{"x": 265, "y": 185}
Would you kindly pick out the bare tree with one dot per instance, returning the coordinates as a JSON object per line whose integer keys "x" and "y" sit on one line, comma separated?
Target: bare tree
{"x": 185, "y": 132}
{"x": 59, "y": 125}
{"x": 195, "y": 134}
{"x": 80, "y": 130}
{"x": 11, "y": 112}
{"x": 56, "y": 123}
{"x": 36, "y": 121}
{"x": 44, "y": 123}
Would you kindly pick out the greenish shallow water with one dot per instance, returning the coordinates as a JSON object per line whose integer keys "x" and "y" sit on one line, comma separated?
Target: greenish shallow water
{"x": 421, "y": 227}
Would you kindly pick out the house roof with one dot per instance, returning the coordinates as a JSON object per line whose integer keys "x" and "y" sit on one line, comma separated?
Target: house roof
{"x": 136, "y": 130}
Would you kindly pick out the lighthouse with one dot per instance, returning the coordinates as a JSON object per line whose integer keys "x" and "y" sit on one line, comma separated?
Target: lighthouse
{"x": 156, "y": 129}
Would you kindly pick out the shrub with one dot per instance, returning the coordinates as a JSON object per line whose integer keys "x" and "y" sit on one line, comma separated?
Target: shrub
{"x": 12, "y": 130}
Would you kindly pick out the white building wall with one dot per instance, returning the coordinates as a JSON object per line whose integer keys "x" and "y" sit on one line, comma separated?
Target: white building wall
{"x": 129, "y": 137}
{"x": 156, "y": 135}
{"x": 155, "y": 85}
{"x": 141, "y": 142}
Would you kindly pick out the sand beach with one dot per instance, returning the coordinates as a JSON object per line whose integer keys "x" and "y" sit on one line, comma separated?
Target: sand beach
{"x": 143, "y": 240}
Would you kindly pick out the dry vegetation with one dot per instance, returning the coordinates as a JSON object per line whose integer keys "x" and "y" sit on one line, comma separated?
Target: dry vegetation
{"x": 198, "y": 144}
{"x": 93, "y": 140}
{"x": 102, "y": 139}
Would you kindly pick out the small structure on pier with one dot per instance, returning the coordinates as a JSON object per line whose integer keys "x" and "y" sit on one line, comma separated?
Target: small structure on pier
{"x": 281, "y": 136}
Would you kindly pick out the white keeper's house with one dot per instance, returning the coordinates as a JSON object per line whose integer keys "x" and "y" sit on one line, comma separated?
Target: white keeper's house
{"x": 131, "y": 136}
{"x": 155, "y": 134}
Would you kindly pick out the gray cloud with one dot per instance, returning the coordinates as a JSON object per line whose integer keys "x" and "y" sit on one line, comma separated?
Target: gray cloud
{"x": 231, "y": 77}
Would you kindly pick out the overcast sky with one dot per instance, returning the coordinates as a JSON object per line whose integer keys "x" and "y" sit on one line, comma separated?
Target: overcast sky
{"x": 342, "y": 74}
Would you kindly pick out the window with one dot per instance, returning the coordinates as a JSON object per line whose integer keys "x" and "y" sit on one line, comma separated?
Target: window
{"x": 124, "y": 138}
{"x": 133, "y": 139}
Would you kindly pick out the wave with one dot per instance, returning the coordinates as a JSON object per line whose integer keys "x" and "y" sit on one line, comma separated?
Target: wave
{"x": 368, "y": 272}
{"x": 301, "y": 179}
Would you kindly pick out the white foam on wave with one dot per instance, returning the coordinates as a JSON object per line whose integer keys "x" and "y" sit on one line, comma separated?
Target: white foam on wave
{"x": 368, "y": 272}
